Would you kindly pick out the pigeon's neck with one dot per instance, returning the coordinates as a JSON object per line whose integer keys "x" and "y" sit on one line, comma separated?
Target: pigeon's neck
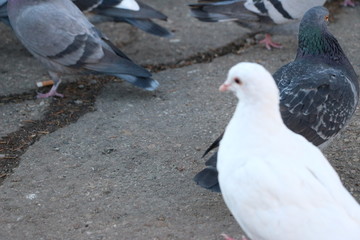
{"x": 315, "y": 41}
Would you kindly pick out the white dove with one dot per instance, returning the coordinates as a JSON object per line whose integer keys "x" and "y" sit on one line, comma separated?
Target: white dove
{"x": 277, "y": 185}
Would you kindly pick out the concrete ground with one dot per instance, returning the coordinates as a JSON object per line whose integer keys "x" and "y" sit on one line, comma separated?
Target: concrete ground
{"x": 123, "y": 168}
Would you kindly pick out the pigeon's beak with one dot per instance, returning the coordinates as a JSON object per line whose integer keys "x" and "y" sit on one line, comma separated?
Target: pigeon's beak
{"x": 224, "y": 87}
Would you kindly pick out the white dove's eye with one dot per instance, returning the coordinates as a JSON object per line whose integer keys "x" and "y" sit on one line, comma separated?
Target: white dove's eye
{"x": 238, "y": 81}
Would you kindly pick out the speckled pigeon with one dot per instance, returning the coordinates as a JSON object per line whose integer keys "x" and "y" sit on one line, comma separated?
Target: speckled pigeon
{"x": 319, "y": 90}
{"x": 61, "y": 37}
{"x": 133, "y": 12}
{"x": 270, "y": 16}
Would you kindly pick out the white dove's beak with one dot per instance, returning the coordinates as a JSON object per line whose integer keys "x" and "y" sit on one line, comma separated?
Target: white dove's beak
{"x": 224, "y": 87}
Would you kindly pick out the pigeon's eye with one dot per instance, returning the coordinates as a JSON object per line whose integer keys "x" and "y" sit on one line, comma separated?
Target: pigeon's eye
{"x": 327, "y": 18}
{"x": 238, "y": 81}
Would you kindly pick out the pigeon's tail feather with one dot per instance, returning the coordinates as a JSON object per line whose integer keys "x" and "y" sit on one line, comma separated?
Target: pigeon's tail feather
{"x": 151, "y": 12}
{"x": 87, "y": 5}
{"x": 116, "y": 50}
{"x": 235, "y": 10}
{"x": 3, "y": 14}
{"x": 145, "y": 12}
{"x": 214, "y": 145}
{"x": 5, "y": 20}
{"x": 117, "y": 64}
{"x": 146, "y": 83}
{"x": 149, "y": 26}
{"x": 140, "y": 19}
{"x": 208, "y": 178}
{"x": 212, "y": 161}
{"x": 126, "y": 70}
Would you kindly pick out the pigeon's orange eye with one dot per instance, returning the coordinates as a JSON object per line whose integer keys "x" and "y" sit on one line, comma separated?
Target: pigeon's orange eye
{"x": 326, "y": 18}
{"x": 238, "y": 81}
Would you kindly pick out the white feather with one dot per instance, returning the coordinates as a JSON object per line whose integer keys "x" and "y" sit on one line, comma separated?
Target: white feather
{"x": 278, "y": 185}
{"x": 129, "y": 5}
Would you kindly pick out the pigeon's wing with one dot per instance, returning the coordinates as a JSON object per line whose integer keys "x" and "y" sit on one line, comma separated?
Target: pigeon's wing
{"x": 246, "y": 11}
{"x": 323, "y": 175}
{"x": 315, "y": 101}
{"x": 59, "y": 36}
{"x": 218, "y": 11}
{"x": 87, "y": 5}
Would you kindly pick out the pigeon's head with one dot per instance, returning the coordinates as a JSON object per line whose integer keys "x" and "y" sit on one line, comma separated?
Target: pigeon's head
{"x": 251, "y": 81}
{"x": 315, "y": 17}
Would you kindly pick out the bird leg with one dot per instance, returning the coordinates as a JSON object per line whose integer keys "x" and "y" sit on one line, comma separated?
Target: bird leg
{"x": 52, "y": 92}
{"x": 348, "y": 3}
{"x": 226, "y": 237}
{"x": 269, "y": 43}
{"x": 53, "y": 89}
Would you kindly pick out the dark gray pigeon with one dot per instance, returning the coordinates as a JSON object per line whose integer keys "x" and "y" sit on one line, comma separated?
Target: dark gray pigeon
{"x": 133, "y": 12}
{"x": 61, "y": 37}
{"x": 274, "y": 16}
{"x": 319, "y": 90}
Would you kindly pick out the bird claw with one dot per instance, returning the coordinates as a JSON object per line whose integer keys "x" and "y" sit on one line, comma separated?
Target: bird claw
{"x": 51, "y": 93}
{"x": 46, "y": 95}
{"x": 269, "y": 43}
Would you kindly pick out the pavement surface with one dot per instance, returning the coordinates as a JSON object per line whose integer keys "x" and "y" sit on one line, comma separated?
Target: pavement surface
{"x": 110, "y": 161}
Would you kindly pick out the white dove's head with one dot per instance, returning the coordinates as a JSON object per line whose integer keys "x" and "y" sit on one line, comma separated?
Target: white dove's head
{"x": 251, "y": 82}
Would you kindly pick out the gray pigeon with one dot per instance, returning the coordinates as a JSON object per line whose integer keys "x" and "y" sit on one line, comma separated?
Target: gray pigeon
{"x": 275, "y": 16}
{"x": 61, "y": 37}
{"x": 319, "y": 90}
{"x": 133, "y": 12}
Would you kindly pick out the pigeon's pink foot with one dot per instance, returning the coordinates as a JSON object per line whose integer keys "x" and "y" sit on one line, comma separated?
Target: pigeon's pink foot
{"x": 348, "y": 3}
{"x": 269, "y": 43}
{"x": 226, "y": 237}
{"x": 51, "y": 93}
